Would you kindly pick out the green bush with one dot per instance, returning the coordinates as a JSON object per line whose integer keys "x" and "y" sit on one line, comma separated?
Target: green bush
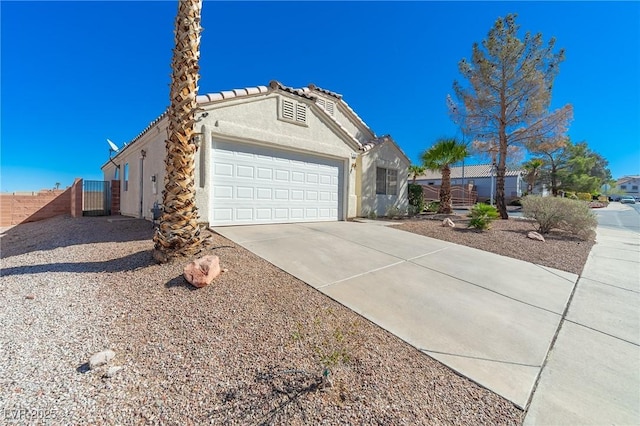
{"x": 584, "y": 196}
{"x": 393, "y": 211}
{"x": 571, "y": 195}
{"x": 481, "y": 216}
{"x": 416, "y": 199}
{"x": 433, "y": 206}
{"x": 560, "y": 213}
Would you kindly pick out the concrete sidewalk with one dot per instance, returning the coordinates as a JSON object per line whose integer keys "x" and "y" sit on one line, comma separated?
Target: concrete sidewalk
{"x": 592, "y": 375}
{"x": 489, "y": 317}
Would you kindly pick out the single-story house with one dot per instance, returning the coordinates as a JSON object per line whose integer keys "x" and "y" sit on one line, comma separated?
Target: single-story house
{"x": 479, "y": 177}
{"x": 270, "y": 154}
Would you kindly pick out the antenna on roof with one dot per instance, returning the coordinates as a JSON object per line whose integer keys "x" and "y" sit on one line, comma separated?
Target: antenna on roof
{"x": 113, "y": 147}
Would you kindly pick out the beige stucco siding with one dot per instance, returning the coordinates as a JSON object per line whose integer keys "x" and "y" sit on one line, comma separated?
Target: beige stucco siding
{"x": 256, "y": 121}
{"x": 140, "y": 172}
{"x": 387, "y": 156}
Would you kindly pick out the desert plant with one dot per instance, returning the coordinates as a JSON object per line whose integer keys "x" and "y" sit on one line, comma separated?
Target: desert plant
{"x": 584, "y": 196}
{"x": 332, "y": 342}
{"x": 481, "y": 216}
{"x": 416, "y": 198}
{"x": 433, "y": 206}
{"x": 393, "y": 211}
{"x": 372, "y": 215}
{"x": 560, "y": 213}
{"x": 440, "y": 157}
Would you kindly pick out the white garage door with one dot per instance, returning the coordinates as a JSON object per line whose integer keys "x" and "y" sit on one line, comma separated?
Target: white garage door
{"x": 254, "y": 185}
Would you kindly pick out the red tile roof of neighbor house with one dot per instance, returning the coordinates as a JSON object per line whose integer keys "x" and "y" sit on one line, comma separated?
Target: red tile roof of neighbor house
{"x": 470, "y": 172}
{"x": 306, "y": 92}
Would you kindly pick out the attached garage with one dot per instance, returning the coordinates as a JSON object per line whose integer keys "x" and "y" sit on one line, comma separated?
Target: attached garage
{"x": 254, "y": 184}
{"x": 264, "y": 155}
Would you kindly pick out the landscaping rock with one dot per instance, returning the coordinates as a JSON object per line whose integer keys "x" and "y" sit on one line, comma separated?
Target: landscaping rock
{"x": 112, "y": 371}
{"x": 201, "y": 272}
{"x": 535, "y": 236}
{"x": 30, "y": 296}
{"x": 101, "y": 358}
{"x": 448, "y": 222}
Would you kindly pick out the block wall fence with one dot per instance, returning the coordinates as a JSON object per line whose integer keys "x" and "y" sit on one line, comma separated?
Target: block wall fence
{"x": 17, "y": 208}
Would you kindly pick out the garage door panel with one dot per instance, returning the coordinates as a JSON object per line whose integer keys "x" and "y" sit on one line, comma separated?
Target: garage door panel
{"x": 251, "y": 185}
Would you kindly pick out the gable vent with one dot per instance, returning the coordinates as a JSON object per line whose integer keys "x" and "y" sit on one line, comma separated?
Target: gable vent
{"x": 301, "y": 113}
{"x": 329, "y": 108}
{"x": 287, "y": 109}
{"x": 326, "y": 105}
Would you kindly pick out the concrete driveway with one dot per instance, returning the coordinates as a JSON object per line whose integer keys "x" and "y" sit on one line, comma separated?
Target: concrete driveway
{"x": 489, "y": 317}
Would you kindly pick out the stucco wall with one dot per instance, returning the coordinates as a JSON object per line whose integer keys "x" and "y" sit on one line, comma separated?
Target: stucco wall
{"x": 356, "y": 129}
{"x": 153, "y": 143}
{"x": 256, "y": 121}
{"x": 387, "y": 156}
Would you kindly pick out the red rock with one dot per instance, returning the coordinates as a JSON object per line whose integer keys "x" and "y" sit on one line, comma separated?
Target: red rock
{"x": 201, "y": 272}
{"x": 535, "y": 236}
{"x": 448, "y": 222}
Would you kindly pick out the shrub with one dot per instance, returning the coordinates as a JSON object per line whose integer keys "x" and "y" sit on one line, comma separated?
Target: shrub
{"x": 393, "y": 211}
{"x": 433, "y": 206}
{"x": 571, "y": 195}
{"x": 515, "y": 202}
{"x": 584, "y": 196}
{"x": 416, "y": 198}
{"x": 481, "y": 216}
{"x": 560, "y": 213}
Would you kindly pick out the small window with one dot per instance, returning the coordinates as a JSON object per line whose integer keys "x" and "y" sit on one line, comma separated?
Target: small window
{"x": 634, "y": 187}
{"x": 293, "y": 111}
{"x": 116, "y": 175}
{"x": 386, "y": 181}
{"x": 126, "y": 177}
{"x": 623, "y": 186}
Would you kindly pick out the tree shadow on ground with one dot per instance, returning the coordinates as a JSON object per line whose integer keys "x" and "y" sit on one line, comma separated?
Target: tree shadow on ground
{"x": 64, "y": 231}
{"x": 130, "y": 262}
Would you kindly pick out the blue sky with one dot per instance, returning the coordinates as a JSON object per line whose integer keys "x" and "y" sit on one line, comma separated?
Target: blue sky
{"x": 76, "y": 73}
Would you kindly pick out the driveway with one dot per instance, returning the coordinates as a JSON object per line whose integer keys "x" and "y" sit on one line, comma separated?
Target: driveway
{"x": 489, "y": 317}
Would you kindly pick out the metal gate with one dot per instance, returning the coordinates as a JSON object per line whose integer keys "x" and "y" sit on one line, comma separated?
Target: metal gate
{"x": 96, "y": 198}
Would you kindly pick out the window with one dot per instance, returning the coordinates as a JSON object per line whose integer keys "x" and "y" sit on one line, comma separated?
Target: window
{"x": 126, "y": 176}
{"x": 623, "y": 186}
{"x": 293, "y": 111}
{"x": 386, "y": 181}
{"x": 116, "y": 175}
{"x": 634, "y": 187}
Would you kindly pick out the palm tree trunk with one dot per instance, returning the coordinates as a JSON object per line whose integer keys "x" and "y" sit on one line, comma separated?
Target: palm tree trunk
{"x": 445, "y": 191}
{"x": 179, "y": 233}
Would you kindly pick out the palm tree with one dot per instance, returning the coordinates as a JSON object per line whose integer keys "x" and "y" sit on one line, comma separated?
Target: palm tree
{"x": 439, "y": 157}
{"x": 415, "y": 171}
{"x": 533, "y": 168}
{"x": 179, "y": 233}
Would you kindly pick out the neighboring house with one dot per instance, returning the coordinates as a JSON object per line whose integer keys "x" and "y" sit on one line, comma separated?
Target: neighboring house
{"x": 629, "y": 185}
{"x": 479, "y": 177}
{"x": 270, "y": 155}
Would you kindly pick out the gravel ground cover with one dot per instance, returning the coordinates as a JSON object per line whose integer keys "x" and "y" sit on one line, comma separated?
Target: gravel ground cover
{"x": 249, "y": 349}
{"x": 560, "y": 250}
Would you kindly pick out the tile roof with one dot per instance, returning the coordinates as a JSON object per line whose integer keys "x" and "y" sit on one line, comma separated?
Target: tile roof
{"x": 472, "y": 171}
{"x": 312, "y": 87}
{"x": 306, "y": 92}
